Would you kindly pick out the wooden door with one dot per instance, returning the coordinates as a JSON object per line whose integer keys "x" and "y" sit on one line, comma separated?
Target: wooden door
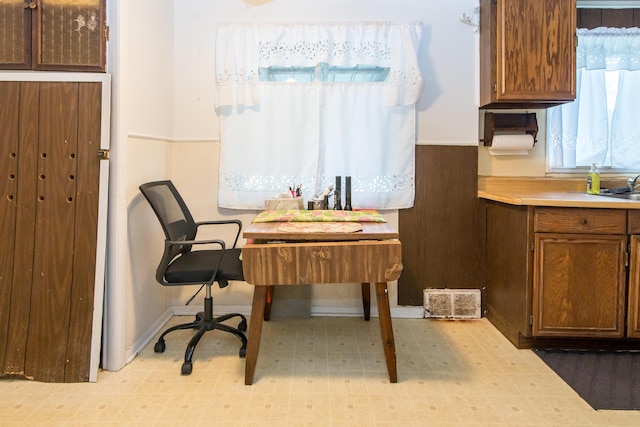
{"x": 49, "y": 210}
{"x": 579, "y": 285}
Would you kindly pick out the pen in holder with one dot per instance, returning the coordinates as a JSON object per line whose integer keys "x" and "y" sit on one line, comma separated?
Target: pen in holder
{"x": 337, "y": 197}
{"x": 347, "y": 202}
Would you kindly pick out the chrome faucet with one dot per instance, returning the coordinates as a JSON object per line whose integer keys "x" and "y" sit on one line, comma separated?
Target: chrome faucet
{"x": 632, "y": 183}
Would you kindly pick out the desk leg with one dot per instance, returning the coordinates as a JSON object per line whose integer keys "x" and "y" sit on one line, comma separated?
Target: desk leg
{"x": 255, "y": 329}
{"x": 366, "y": 300}
{"x": 386, "y": 329}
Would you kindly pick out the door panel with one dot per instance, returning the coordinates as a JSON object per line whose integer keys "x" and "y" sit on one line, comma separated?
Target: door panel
{"x": 85, "y": 235}
{"x": 55, "y": 214}
{"x": 10, "y": 94}
{"x": 47, "y": 303}
{"x": 15, "y": 43}
{"x": 23, "y": 210}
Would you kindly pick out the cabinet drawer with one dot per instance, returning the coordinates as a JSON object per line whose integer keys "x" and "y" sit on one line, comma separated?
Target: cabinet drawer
{"x": 577, "y": 220}
{"x": 634, "y": 221}
{"x": 322, "y": 262}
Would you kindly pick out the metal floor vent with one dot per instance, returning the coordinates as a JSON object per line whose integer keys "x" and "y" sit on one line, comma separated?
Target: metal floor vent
{"x": 452, "y": 303}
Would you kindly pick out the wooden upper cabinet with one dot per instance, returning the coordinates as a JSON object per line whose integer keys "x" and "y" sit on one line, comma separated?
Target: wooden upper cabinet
{"x": 62, "y": 35}
{"x": 527, "y": 53}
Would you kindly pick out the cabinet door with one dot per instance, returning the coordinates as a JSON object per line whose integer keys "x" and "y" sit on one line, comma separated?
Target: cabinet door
{"x": 579, "y": 285}
{"x": 68, "y": 35}
{"x": 527, "y": 52}
{"x": 15, "y": 36}
{"x": 633, "y": 328}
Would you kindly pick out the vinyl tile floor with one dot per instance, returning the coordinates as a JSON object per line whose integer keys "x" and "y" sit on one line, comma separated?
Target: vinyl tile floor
{"x": 320, "y": 372}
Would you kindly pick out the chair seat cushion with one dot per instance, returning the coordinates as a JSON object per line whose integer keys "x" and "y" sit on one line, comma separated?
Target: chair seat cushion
{"x": 198, "y": 266}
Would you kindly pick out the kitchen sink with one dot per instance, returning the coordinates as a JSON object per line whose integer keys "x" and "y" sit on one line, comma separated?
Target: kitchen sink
{"x": 626, "y": 196}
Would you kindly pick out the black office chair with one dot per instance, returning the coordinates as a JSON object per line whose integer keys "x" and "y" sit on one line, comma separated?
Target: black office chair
{"x": 180, "y": 265}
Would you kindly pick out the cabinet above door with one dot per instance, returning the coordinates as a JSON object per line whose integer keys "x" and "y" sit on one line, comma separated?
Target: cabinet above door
{"x": 64, "y": 35}
{"x": 527, "y": 53}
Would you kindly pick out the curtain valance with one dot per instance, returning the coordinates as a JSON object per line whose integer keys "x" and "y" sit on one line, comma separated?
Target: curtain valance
{"x": 608, "y": 49}
{"x": 242, "y": 49}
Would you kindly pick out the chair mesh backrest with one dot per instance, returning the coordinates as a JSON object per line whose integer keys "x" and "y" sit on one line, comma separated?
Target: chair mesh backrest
{"x": 172, "y": 212}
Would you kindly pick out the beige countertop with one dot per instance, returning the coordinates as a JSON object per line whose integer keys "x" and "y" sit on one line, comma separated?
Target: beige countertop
{"x": 532, "y": 191}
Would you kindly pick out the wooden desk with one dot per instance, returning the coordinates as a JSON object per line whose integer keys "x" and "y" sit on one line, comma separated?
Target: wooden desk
{"x": 277, "y": 258}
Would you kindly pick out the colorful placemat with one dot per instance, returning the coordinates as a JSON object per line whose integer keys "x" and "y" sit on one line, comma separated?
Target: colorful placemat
{"x": 295, "y": 215}
{"x": 320, "y": 227}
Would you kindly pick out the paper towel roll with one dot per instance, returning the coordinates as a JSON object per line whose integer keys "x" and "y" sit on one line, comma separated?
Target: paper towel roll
{"x": 511, "y": 145}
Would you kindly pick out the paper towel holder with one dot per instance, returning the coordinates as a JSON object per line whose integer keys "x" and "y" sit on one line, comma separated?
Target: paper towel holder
{"x": 509, "y": 123}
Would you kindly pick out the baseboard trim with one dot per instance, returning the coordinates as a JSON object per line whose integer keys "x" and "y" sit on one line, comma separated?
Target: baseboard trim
{"x": 146, "y": 338}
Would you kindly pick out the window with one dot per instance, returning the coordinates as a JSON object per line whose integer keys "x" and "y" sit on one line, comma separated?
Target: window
{"x": 324, "y": 72}
{"x": 303, "y": 103}
{"x": 600, "y": 126}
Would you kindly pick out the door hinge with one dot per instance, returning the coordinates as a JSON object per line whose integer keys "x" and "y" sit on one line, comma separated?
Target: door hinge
{"x": 103, "y": 154}
{"x": 626, "y": 258}
{"x": 106, "y": 33}
{"x": 533, "y": 246}
{"x": 531, "y": 320}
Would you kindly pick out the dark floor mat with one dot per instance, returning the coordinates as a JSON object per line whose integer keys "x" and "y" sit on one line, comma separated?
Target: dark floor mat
{"x": 604, "y": 379}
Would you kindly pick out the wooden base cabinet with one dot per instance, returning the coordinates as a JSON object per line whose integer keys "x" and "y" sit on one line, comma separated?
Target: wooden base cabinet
{"x": 579, "y": 285}
{"x": 633, "y": 328}
{"x": 567, "y": 286}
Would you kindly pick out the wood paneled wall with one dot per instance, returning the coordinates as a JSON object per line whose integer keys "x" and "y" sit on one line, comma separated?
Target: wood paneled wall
{"x": 442, "y": 234}
{"x": 620, "y": 18}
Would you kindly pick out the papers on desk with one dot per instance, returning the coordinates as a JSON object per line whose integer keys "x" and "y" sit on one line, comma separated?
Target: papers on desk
{"x": 319, "y": 227}
{"x": 319, "y": 216}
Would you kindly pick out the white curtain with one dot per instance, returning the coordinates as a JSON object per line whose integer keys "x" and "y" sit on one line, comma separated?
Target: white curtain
{"x": 588, "y": 130}
{"x": 277, "y": 134}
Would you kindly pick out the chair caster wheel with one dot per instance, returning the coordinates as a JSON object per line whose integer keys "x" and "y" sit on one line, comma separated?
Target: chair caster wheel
{"x": 187, "y": 367}
{"x": 159, "y": 347}
{"x": 243, "y": 326}
{"x": 243, "y": 352}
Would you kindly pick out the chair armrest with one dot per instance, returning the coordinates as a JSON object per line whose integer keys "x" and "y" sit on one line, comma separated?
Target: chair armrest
{"x": 195, "y": 242}
{"x": 237, "y": 222}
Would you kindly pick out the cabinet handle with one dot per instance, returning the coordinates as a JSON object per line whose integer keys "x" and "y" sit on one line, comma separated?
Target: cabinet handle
{"x": 30, "y": 5}
{"x": 584, "y": 221}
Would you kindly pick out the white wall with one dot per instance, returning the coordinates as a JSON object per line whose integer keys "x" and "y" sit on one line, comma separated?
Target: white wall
{"x": 140, "y": 59}
{"x": 448, "y": 111}
{"x": 161, "y": 55}
{"x": 150, "y": 68}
